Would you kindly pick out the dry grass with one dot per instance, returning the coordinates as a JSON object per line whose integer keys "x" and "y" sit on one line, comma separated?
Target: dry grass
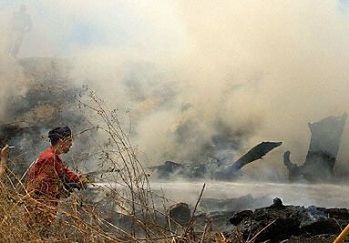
{"x": 134, "y": 217}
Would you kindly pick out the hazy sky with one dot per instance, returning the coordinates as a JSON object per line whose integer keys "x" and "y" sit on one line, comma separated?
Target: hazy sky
{"x": 64, "y": 25}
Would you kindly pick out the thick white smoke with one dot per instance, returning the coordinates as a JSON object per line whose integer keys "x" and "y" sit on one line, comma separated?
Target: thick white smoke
{"x": 188, "y": 70}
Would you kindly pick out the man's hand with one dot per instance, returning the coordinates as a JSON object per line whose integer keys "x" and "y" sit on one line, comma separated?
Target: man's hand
{"x": 4, "y": 154}
{"x": 3, "y": 159}
{"x": 84, "y": 180}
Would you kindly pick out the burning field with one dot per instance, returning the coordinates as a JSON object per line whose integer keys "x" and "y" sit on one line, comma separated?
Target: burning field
{"x": 218, "y": 122}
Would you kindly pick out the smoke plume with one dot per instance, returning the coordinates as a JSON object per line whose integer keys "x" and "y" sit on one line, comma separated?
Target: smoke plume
{"x": 199, "y": 79}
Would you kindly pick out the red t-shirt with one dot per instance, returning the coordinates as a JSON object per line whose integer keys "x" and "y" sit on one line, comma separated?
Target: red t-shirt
{"x": 46, "y": 174}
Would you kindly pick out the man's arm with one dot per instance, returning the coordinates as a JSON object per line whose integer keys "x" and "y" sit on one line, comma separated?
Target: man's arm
{"x": 69, "y": 177}
{"x": 66, "y": 173}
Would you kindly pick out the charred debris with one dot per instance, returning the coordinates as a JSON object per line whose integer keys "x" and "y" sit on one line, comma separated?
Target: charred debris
{"x": 318, "y": 166}
{"x": 226, "y": 171}
{"x": 286, "y": 223}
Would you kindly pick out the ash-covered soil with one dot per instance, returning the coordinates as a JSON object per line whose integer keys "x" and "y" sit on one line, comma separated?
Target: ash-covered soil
{"x": 253, "y": 210}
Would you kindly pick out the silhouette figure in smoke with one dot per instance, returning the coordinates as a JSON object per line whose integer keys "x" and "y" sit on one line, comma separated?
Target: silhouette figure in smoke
{"x": 20, "y": 25}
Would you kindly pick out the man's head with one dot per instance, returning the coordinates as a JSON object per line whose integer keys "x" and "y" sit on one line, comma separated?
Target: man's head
{"x": 61, "y": 138}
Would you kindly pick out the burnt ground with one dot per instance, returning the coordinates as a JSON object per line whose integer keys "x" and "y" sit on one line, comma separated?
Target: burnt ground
{"x": 274, "y": 223}
{"x": 279, "y": 223}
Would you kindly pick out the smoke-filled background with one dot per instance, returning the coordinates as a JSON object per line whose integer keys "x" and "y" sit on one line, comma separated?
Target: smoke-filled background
{"x": 199, "y": 79}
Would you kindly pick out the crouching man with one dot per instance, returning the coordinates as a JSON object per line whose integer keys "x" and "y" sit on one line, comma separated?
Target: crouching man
{"x": 46, "y": 180}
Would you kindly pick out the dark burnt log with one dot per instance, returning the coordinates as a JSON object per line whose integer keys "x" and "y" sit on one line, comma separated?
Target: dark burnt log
{"x": 257, "y": 152}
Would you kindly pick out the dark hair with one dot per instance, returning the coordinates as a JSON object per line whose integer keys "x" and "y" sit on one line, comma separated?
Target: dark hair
{"x": 58, "y": 133}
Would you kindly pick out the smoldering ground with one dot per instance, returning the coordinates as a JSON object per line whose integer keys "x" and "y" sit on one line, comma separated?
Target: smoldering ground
{"x": 200, "y": 78}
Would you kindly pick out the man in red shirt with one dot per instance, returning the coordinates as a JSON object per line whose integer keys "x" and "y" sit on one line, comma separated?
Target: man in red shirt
{"x": 46, "y": 179}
